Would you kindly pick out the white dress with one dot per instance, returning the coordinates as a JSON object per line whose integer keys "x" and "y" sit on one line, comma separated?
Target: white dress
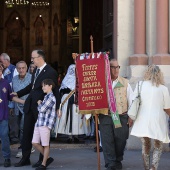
{"x": 79, "y": 126}
{"x": 152, "y": 121}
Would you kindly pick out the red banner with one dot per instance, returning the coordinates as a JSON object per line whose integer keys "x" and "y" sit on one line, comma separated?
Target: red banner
{"x": 92, "y": 94}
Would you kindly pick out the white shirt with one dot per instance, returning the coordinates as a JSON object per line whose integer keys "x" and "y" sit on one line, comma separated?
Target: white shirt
{"x": 41, "y": 68}
{"x": 15, "y": 72}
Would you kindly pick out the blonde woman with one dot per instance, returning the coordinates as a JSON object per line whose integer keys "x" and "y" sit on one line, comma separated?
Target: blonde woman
{"x": 152, "y": 119}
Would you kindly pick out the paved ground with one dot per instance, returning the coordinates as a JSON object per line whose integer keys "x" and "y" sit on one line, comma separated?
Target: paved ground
{"x": 81, "y": 157}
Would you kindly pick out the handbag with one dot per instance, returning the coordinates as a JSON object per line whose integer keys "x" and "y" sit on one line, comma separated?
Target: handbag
{"x": 134, "y": 108}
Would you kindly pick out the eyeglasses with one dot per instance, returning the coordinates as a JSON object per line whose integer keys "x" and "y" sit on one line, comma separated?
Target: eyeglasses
{"x": 115, "y": 67}
{"x": 32, "y": 58}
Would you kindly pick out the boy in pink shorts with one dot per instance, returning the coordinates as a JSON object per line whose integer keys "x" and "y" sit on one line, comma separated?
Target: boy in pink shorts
{"x": 45, "y": 122}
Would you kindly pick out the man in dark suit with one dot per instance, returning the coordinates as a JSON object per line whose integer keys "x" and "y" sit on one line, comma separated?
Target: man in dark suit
{"x": 34, "y": 89}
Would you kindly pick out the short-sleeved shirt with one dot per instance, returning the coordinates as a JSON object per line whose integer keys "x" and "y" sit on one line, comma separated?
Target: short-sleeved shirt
{"x": 47, "y": 111}
{"x": 152, "y": 121}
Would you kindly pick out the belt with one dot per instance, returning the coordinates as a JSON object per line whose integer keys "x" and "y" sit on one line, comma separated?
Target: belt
{"x": 124, "y": 113}
{"x": 119, "y": 114}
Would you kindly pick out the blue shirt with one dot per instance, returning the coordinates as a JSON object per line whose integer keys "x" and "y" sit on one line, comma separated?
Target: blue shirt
{"x": 9, "y": 73}
{"x": 5, "y": 91}
{"x": 18, "y": 84}
{"x": 47, "y": 111}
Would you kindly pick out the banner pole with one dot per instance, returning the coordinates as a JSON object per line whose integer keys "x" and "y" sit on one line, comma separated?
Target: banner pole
{"x": 96, "y": 116}
{"x": 97, "y": 141}
{"x": 91, "y": 43}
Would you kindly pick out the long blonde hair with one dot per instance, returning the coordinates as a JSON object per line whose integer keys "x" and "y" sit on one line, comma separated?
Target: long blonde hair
{"x": 154, "y": 74}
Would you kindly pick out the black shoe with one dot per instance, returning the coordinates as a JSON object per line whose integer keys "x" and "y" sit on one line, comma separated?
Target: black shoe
{"x": 111, "y": 168}
{"x": 93, "y": 137}
{"x": 86, "y": 137}
{"x": 37, "y": 164}
{"x": 69, "y": 140}
{"x": 7, "y": 163}
{"x": 100, "y": 149}
{"x": 41, "y": 167}
{"x": 20, "y": 147}
{"x": 49, "y": 161}
{"x": 14, "y": 142}
{"x": 106, "y": 165}
{"x": 76, "y": 140}
{"x": 23, "y": 162}
{"x": 118, "y": 165}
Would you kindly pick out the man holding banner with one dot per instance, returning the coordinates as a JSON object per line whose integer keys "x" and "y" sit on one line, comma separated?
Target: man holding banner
{"x": 101, "y": 91}
{"x": 114, "y": 136}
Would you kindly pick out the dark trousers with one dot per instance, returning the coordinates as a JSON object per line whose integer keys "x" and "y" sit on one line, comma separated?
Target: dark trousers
{"x": 113, "y": 139}
{"x": 13, "y": 128}
{"x": 29, "y": 122}
{"x": 20, "y": 121}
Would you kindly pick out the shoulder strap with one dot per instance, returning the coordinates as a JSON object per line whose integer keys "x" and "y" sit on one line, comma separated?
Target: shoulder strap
{"x": 68, "y": 96}
{"x": 139, "y": 90}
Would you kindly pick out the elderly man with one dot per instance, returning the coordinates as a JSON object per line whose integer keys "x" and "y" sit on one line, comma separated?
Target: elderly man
{"x": 34, "y": 89}
{"x": 8, "y": 73}
{"x": 19, "y": 82}
{"x": 114, "y": 139}
{"x": 10, "y": 70}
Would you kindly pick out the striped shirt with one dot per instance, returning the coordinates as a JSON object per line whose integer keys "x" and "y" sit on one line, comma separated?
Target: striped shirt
{"x": 47, "y": 111}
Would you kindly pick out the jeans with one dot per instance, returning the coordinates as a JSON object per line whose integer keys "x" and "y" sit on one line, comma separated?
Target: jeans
{"x": 5, "y": 144}
{"x": 20, "y": 121}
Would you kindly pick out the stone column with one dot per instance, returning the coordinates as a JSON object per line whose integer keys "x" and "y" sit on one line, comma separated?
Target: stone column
{"x": 139, "y": 57}
{"x": 150, "y": 29}
{"x": 161, "y": 57}
{"x": 115, "y": 29}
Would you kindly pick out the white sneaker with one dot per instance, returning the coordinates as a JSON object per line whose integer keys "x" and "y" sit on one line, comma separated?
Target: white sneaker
{"x": 32, "y": 150}
{"x": 19, "y": 155}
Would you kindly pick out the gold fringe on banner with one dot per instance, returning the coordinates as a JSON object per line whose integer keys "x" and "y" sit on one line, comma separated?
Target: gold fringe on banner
{"x": 96, "y": 111}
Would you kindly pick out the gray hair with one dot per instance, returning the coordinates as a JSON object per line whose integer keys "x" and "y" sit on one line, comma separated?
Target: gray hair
{"x": 113, "y": 59}
{"x": 6, "y": 56}
{"x": 21, "y": 62}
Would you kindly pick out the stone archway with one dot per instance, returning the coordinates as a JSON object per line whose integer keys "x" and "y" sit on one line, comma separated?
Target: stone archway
{"x": 14, "y": 40}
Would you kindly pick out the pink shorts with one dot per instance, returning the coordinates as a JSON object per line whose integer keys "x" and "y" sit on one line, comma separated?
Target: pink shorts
{"x": 41, "y": 134}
